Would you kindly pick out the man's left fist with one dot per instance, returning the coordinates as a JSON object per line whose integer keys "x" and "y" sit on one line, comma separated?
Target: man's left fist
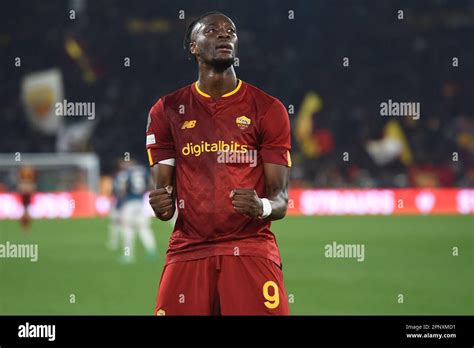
{"x": 246, "y": 202}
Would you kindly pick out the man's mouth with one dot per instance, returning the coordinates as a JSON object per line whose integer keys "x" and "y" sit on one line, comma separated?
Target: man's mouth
{"x": 225, "y": 47}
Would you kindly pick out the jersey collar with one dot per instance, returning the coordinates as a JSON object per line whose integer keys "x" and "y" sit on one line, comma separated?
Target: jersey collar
{"x": 235, "y": 93}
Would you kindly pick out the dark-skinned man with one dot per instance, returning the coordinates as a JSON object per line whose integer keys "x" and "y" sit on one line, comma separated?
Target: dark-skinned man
{"x": 222, "y": 257}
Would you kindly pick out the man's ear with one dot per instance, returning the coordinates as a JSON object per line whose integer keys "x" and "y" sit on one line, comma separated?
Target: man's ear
{"x": 193, "y": 48}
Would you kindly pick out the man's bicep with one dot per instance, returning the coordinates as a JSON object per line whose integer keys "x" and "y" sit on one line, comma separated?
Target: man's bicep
{"x": 276, "y": 178}
{"x": 275, "y": 131}
{"x": 159, "y": 137}
{"x": 163, "y": 175}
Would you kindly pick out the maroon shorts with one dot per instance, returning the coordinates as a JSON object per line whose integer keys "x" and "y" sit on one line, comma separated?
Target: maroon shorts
{"x": 222, "y": 285}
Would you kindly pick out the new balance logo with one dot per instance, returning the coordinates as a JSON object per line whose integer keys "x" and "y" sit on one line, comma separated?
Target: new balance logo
{"x": 188, "y": 124}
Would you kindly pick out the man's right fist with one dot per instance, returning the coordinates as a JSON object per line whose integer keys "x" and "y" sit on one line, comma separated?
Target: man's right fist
{"x": 161, "y": 200}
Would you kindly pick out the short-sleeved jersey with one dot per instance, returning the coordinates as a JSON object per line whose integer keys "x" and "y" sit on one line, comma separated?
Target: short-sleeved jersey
{"x": 218, "y": 145}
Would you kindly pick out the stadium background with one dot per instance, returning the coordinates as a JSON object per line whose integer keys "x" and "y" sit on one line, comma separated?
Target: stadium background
{"x": 352, "y": 166}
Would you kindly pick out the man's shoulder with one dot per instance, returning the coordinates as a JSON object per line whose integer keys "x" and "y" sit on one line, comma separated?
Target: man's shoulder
{"x": 262, "y": 99}
{"x": 174, "y": 98}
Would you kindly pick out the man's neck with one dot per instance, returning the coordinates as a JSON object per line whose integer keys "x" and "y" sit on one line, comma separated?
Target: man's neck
{"x": 216, "y": 83}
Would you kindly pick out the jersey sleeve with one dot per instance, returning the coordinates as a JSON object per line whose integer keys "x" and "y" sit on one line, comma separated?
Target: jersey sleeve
{"x": 159, "y": 139}
{"x": 275, "y": 129}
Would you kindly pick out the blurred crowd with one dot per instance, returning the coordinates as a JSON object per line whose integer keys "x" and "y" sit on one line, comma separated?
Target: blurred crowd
{"x": 398, "y": 50}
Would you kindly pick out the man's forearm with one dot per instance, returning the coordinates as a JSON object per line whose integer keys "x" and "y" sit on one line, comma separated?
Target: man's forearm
{"x": 279, "y": 205}
{"x": 163, "y": 204}
{"x": 276, "y": 188}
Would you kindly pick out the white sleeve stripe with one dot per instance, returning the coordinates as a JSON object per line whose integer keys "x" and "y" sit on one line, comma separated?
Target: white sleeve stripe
{"x": 168, "y": 161}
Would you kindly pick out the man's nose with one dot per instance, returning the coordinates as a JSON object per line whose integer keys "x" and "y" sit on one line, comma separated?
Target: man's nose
{"x": 223, "y": 33}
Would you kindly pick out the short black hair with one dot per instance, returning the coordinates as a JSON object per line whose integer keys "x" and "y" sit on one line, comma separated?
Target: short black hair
{"x": 189, "y": 30}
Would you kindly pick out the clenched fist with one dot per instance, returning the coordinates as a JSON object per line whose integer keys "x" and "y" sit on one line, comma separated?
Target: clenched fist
{"x": 246, "y": 202}
{"x": 161, "y": 200}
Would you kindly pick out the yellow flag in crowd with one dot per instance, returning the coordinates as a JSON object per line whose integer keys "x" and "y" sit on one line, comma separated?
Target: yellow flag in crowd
{"x": 304, "y": 124}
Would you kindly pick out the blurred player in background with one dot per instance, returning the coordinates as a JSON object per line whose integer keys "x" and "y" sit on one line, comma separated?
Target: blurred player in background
{"x": 222, "y": 257}
{"x": 115, "y": 218}
{"x": 26, "y": 187}
{"x": 133, "y": 182}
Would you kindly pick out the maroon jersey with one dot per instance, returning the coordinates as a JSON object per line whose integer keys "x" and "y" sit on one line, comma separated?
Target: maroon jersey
{"x": 219, "y": 145}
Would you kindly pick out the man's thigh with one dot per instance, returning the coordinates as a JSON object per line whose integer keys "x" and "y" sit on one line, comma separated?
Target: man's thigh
{"x": 251, "y": 286}
{"x": 188, "y": 288}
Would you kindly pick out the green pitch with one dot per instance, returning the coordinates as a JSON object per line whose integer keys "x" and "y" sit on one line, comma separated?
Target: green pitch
{"x": 410, "y": 256}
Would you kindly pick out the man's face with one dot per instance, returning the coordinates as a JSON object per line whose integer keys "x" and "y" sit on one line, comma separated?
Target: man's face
{"x": 214, "y": 41}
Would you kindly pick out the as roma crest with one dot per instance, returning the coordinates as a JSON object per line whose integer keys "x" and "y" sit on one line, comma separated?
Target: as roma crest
{"x": 243, "y": 122}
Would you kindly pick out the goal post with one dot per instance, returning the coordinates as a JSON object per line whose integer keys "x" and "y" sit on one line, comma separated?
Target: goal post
{"x": 63, "y": 185}
{"x": 54, "y": 171}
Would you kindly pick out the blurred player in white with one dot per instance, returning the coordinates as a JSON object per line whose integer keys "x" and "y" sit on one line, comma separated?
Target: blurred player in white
{"x": 115, "y": 222}
{"x": 134, "y": 181}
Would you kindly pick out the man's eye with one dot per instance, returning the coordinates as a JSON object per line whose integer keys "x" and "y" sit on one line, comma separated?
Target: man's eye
{"x": 210, "y": 30}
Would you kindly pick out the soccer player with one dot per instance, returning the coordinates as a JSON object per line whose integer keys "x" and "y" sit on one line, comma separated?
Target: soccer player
{"x": 133, "y": 182}
{"x": 222, "y": 257}
{"x": 26, "y": 187}
{"x": 115, "y": 217}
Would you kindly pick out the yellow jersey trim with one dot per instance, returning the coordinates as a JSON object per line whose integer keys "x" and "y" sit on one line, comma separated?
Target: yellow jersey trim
{"x": 225, "y": 95}
{"x": 201, "y": 92}
{"x": 149, "y": 157}
{"x": 234, "y": 91}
